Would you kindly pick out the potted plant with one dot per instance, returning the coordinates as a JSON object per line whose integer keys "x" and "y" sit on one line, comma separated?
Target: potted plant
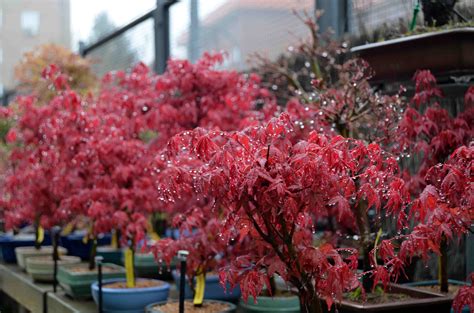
{"x": 207, "y": 253}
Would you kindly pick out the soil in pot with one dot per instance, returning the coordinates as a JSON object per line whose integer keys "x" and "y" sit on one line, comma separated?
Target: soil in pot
{"x": 138, "y": 284}
{"x": 395, "y": 299}
{"x": 208, "y": 306}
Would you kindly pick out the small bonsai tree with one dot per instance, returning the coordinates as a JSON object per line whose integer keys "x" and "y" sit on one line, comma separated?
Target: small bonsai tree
{"x": 430, "y": 137}
{"x": 444, "y": 213}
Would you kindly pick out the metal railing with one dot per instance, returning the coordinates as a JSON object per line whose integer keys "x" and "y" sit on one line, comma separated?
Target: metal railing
{"x": 161, "y": 34}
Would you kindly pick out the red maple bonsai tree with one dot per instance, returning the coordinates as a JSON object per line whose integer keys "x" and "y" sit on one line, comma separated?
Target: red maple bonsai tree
{"x": 274, "y": 187}
{"x": 429, "y": 138}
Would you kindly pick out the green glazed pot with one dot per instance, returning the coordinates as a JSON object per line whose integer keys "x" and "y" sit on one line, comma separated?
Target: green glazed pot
{"x": 77, "y": 284}
{"x": 41, "y": 268}
{"x": 289, "y": 304}
{"x": 110, "y": 255}
{"x": 23, "y": 253}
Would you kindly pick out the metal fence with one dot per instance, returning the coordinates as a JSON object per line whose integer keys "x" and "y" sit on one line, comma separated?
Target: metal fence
{"x": 144, "y": 39}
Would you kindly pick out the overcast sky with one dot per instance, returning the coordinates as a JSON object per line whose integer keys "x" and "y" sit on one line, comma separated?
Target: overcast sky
{"x": 83, "y": 13}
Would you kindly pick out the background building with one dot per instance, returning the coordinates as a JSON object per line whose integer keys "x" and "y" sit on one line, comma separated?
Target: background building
{"x": 25, "y": 24}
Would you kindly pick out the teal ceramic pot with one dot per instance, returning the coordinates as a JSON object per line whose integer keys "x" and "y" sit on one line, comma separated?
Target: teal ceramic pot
{"x": 290, "y": 304}
{"x": 76, "y": 279}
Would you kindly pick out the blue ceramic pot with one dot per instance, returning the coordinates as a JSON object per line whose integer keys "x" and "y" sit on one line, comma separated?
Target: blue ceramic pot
{"x": 133, "y": 300}
{"x": 8, "y": 243}
{"x": 435, "y": 282}
{"x": 76, "y": 247}
{"x": 213, "y": 289}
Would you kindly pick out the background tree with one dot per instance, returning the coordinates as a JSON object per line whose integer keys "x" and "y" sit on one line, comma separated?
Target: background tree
{"x": 117, "y": 54}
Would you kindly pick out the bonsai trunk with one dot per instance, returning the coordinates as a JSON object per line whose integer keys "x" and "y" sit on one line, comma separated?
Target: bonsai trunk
{"x": 37, "y": 236}
{"x": 309, "y": 302}
{"x": 92, "y": 255}
{"x": 443, "y": 266}
{"x": 365, "y": 243}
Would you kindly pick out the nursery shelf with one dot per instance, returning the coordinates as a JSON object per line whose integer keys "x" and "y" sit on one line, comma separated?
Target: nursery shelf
{"x": 20, "y": 287}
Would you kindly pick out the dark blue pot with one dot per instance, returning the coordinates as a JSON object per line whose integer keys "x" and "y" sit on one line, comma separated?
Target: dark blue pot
{"x": 8, "y": 243}
{"x": 132, "y": 300}
{"x": 435, "y": 282}
{"x": 213, "y": 289}
{"x": 76, "y": 247}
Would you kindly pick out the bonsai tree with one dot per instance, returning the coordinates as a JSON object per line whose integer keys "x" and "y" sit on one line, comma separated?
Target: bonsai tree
{"x": 274, "y": 188}
{"x": 431, "y": 136}
{"x": 444, "y": 213}
{"x": 33, "y": 190}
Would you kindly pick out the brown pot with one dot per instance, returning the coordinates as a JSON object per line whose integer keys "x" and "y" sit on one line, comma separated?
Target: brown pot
{"x": 444, "y": 53}
{"x": 424, "y": 302}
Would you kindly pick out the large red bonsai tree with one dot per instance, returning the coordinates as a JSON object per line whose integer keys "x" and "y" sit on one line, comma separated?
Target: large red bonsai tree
{"x": 273, "y": 188}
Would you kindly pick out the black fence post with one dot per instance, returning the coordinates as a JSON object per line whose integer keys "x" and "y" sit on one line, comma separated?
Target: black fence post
{"x": 162, "y": 34}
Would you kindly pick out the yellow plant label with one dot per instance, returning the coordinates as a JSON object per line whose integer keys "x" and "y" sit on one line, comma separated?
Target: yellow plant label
{"x": 200, "y": 286}
{"x": 130, "y": 275}
{"x": 40, "y": 235}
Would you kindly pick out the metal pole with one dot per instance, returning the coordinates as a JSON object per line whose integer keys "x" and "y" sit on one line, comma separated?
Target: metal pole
{"x": 193, "y": 42}
{"x": 98, "y": 262}
{"x": 182, "y": 256}
{"x": 56, "y": 230}
{"x": 162, "y": 34}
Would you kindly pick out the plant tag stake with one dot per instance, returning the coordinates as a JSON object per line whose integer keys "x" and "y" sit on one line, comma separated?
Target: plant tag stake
{"x": 56, "y": 231}
{"x": 182, "y": 256}
{"x": 98, "y": 261}
{"x": 200, "y": 286}
{"x": 129, "y": 268}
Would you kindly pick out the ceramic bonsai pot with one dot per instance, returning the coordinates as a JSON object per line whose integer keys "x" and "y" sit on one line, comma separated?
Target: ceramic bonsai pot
{"x": 41, "y": 268}
{"x": 75, "y": 245}
{"x": 435, "y": 283}
{"x": 418, "y": 301}
{"x": 131, "y": 300}
{"x": 289, "y": 304}
{"x": 76, "y": 279}
{"x": 8, "y": 244}
{"x": 213, "y": 289}
{"x": 230, "y": 307}
{"x": 23, "y": 253}
{"x": 443, "y": 52}
{"x": 110, "y": 254}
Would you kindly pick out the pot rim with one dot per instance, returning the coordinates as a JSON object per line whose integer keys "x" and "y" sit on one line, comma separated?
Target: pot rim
{"x": 95, "y": 286}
